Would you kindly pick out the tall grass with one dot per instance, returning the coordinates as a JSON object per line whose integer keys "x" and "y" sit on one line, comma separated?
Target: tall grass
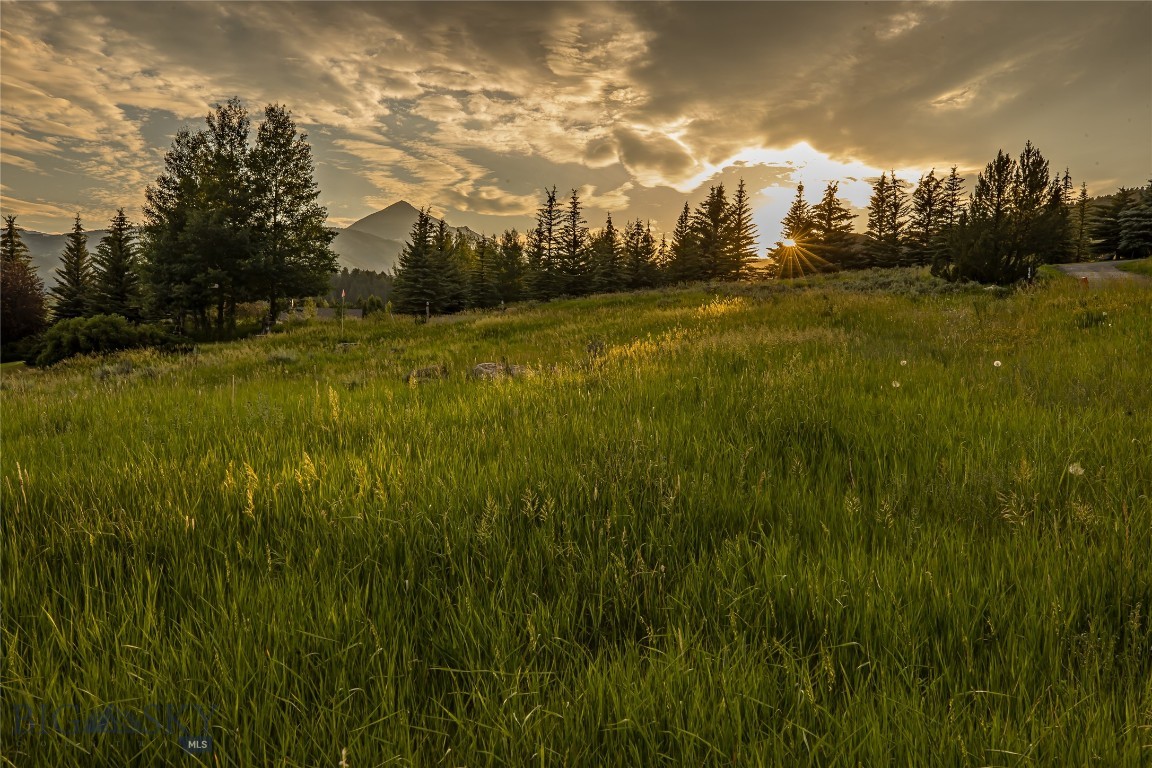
{"x": 827, "y": 525}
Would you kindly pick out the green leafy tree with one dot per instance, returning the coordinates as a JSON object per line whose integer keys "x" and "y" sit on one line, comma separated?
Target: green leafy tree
{"x": 23, "y": 311}
{"x": 117, "y": 285}
{"x": 74, "y": 279}
{"x": 293, "y": 258}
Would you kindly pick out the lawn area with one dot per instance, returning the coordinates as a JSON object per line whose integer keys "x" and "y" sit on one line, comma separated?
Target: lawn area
{"x": 1138, "y": 266}
{"x": 861, "y": 520}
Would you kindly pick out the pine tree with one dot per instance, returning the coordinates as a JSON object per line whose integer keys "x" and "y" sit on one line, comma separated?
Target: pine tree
{"x": 1136, "y": 226}
{"x": 23, "y": 311}
{"x": 483, "y": 275}
{"x": 73, "y": 289}
{"x": 741, "y": 247}
{"x": 573, "y": 255}
{"x": 711, "y": 227}
{"x": 541, "y": 279}
{"x": 640, "y": 256}
{"x": 414, "y": 288}
{"x": 1032, "y": 209}
{"x": 510, "y": 267}
{"x": 1080, "y": 225}
{"x": 1105, "y": 225}
{"x": 294, "y": 259}
{"x": 925, "y": 225}
{"x": 116, "y": 284}
{"x": 450, "y": 261}
{"x": 798, "y": 223}
{"x": 831, "y": 228}
{"x": 951, "y": 208}
{"x": 605, "y": 259}
{"x": 987, "y": 255}
{"x": 684, "y": 253}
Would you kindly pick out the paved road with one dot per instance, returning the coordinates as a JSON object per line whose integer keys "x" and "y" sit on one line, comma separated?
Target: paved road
{"x": 1098, "y": 272}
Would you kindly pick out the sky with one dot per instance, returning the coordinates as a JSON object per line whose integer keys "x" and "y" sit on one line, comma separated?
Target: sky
{"x": 474, "y": 108}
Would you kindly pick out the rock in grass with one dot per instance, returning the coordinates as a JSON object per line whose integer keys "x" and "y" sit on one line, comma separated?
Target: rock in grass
{"x": 489, "y": 371}
{"x": 429, "y": 373}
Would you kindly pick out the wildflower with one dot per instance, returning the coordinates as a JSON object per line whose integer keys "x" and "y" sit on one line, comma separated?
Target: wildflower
{"x": 896, "y": 384}
{"x": 903, "y": 362}
{"x": 997, "y": 363}
{"x": 1075, "y": 469}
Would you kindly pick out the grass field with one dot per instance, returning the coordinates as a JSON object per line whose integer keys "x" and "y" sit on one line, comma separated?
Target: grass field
{"x": 861, "y": 521}
{"x": 1139, "y": 267}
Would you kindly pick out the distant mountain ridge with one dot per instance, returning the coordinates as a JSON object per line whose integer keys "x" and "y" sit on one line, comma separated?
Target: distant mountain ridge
{"x": 372, "y": 243}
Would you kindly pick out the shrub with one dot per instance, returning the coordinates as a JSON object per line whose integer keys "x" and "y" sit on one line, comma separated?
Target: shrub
{"x": 96, "y": 335}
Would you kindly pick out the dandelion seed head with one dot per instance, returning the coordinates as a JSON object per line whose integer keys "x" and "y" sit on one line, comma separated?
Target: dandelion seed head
{"x": 1075, "y": 469}
{"x": 903, "y": 362}
{"x": 896, "y": 384}
{"x": 997, "y": 363}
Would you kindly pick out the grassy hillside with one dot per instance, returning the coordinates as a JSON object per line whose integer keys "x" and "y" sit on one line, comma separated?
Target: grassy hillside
{"x": 841, "y": 523}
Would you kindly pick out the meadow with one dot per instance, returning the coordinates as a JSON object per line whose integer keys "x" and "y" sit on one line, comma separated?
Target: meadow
{"x": 868, "y": 520}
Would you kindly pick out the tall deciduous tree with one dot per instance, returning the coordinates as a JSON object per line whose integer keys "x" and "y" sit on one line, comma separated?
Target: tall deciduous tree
{"x": 293, "y": 258}
{"x": 74, "y": 280}
{"x": 117, "y": 285}
{"x": 22, "y": 307}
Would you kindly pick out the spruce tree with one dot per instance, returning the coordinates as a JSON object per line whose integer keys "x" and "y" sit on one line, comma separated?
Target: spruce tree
{"x": 925, "y": 225}
{"x": 951, "y": 208}
{"x": 605, "y": 262}
{"x": 510, "y": 267}
{"x": 573, "y": 254}
{"x": 683, "y": 254}
{"x": 451, "y": 258}
{"x": 831, "y": 229}
{"x": 483, "y": 275}
{"x": 798, "y": 223}
{"x": 116, "y": 283}
{"x": 741, "y": 246}
{"x": 541, "y": 278}
{"x": 74, "y": 280}
{"x": 987, "y": 255}
{"x": 1080, "y": 225}
{"x": 414, "y": 287}
{"x": 711, "y": 232}
{"x": 23, "y": 311}
{"x": 1136, "y": 226}
{"x": 293, "y": 258}
{"x": 1105, "y": 224}
{"x": 640, "y": 256}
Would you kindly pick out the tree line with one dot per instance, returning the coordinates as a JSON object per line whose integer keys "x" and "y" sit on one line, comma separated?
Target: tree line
{"x": 439, "y": 272}
{"x": 232, "y": 219}
{"x": 1018, "y": 216}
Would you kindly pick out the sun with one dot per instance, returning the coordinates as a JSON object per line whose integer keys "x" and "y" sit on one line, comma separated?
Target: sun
{"x": 788, "y": 243}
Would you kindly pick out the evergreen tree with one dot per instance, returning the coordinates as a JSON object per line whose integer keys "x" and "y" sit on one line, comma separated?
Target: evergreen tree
{"x": 951, "y": 208}
{"x": 116, "y": 283}
{"x": 23, "y": 312}
{"x": 924, "y": 228}
{"x": 684, "y": 254}
{"x": 541, "y": 279}
{"x": 414, "y": 287}
{"x": 1105, "y": 224}
{"x": 798, "y": 223}
{"x": 640, "y": 266}
{"x": 510, "y": 267}
{"x": 294, "y": 259}
{"x": 987, "y": 254}
{"x": 741, "y": 250}
{"x": 711, "y": 232}
{"x": 606, "y": 266}
{"x": 573, "y": 255}
{"x": 1034, "y": 202}
{"x": 451, "y": 260}
{"x": 483, "y": 275}
{"x": 1080, "y": 221}
{"x": 1136, "y": 226}
{"x": 831, "y": 228}
{"x": 73, "y": 289}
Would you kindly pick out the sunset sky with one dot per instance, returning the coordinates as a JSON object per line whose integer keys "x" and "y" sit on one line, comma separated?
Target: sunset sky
{"x": 473, "y": 108}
